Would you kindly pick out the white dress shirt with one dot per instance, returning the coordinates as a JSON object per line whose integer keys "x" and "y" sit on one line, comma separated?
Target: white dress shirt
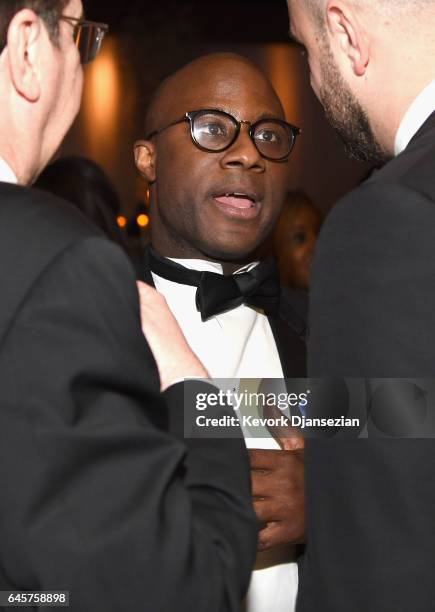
{"x": 420, "y": 110}
{"x": 7, "y": 175}
{"x": 233, "y": 345}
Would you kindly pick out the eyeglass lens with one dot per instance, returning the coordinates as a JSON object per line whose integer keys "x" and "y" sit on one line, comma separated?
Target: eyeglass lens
{"x": 215, "y": 131}
{"x": 88, "y": 38}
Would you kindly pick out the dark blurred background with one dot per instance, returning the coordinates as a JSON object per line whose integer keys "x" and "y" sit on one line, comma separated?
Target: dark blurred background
{"x": 149, "y": 40}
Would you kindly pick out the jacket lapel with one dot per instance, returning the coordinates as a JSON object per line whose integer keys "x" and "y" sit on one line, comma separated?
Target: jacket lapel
{"x": 289, "y": 330}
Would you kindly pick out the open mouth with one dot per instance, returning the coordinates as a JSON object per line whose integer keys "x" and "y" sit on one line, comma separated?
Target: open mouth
{"x": 236, "y": 200}
{"x": 238, "y": 205}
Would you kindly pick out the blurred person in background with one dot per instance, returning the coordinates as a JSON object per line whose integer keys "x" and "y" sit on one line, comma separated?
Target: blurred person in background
{"x": 84, "y": 183}
{"x": 294, "y": 240}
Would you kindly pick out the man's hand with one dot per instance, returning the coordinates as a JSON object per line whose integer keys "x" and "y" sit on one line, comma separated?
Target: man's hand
{"x": 278, "y": 486}
{"x": 175, "y": 359}
{"x": 278, "y": 492}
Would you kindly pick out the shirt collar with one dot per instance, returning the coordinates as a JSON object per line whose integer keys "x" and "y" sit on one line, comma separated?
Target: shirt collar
{"x": 209, "y": 266}
{"x": 420, "y": 110}
{"x": 7, "y": 175}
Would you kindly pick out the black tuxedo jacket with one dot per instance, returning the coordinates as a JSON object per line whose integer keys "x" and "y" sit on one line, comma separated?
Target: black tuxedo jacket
{"x": 371, "y": 503}
{"x": 288, "y": 328}
{"x": 95, "y": 497}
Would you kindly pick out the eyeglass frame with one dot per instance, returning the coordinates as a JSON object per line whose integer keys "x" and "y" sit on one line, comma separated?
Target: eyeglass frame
{"x": 77, "y": 22}
{"x": 190, "y": 116}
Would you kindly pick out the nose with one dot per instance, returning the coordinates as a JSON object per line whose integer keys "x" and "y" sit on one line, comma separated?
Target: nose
{"x": 243, "y": 154}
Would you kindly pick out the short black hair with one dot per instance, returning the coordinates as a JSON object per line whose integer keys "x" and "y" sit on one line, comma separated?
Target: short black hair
{"x": 49, "y": 10}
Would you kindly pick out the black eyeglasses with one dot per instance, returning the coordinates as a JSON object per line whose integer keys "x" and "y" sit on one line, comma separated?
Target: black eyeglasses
{"x": 88, "y": 36}
{"x": 215, "y": 131}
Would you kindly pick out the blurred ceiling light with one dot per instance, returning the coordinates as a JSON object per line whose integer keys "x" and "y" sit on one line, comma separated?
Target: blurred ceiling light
{"x": 101, "y": 101}
{"x": 121, "y": 221}
{"x": 142, "y": 220}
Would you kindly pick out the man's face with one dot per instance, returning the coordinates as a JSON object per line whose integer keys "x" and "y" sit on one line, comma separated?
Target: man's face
{"x": 217, "y": 205}
{"x": 343, "y": 110}
{"x": 64, "y": 85}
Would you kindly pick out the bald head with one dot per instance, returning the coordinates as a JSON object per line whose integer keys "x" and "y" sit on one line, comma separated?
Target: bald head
{"x": 382, "y": 4}
{"x": 200, "y": 80}
{"x": 391, "y": 7}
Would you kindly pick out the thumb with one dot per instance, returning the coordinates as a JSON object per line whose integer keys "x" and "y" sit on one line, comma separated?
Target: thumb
{"x": 288, "y": 437}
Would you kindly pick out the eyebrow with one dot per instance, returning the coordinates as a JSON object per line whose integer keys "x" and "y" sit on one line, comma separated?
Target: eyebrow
{"x": 269, "y": 116}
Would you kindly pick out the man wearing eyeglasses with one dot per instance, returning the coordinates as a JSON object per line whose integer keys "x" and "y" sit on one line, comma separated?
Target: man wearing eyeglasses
{"x": 96, "y": 499}
{"x": 216, "y": 154}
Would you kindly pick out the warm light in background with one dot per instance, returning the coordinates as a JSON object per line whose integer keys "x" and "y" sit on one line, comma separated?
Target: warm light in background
{"x": 286, "y": 70}
{"x": 101, "y": 103}
{"x": 142, "y": 220}
{"x": 283, "y": 66}
{"x": 121, "y": 221}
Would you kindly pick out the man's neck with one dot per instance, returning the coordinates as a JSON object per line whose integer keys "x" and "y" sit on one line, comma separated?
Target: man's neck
{"x": 228, "y": 267}
{"x": 401, "y": 77}
{"x": 20, "y": 146}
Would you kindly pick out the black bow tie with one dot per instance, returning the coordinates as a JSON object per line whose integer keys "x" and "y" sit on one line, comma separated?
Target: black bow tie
{"x": 259, "y": 288}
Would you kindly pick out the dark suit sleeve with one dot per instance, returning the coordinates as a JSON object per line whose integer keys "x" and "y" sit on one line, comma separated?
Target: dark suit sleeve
{"x": 96, "y": 498}
{"x": 371, "y": 503}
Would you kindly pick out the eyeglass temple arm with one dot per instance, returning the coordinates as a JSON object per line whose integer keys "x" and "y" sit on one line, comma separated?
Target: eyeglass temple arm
{"x": 82, "y": 21}
{"x": 185, "y": 117}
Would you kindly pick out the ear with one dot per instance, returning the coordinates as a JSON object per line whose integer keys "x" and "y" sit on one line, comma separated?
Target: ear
{"x": 145, "y": 158}
{"x": 346, "y": 29}
{"x": 26, "y": 35}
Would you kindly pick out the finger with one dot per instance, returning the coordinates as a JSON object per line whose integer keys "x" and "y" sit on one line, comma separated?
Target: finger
{"x": 267, "y": 510}
{"x": 292, "y": 443}
{"x": 145, "y": 288}
{"x": 275, "y": 460}
{"x": 282, "y": 533}
{"x": 288, "y": 437}
{"x": 149, "y": 293}
{"x": 263, "y": 459}
{"x": 273, "y": 535}
{"x": 260, "y": 484}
